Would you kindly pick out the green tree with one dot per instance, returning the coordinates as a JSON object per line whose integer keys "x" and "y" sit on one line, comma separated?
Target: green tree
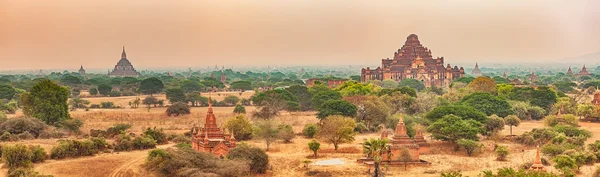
{"x": 47, "y": 102}
{"x": 231, "y": 100}
{"x": 488, "y": 104}
{"x": 511, "y": 121}
{"x": 178, "y": 108}
{"x": 303, "y": 95}
{"x": 310, "y": 130}
{"x": 286, "y": 133}
{"x": 258, "y": 159}
{"x": 78, "y": 103}
{"x": 585, "y": 110}
{"x": 493, "y": 125}
{"x": 7, "y": 92}
{"x": 314, "y": 146}
{"x": 17, "y": 156}
{"x": 337, "y": 130}
{"x": 452, "y": 128}
{"x": 175, "y": 95}
{"x": 389, "y": 84}
{"x": 195, "y": 99}
{"x": 93, "y": 91}
{"x": 104, "y": 89}
{"x": 337, "y": 107}
{"x": 241, "y": 85}
{"x": 150, "y": 100}
{"x": 189, "y": 86}
{"x": 151, "y": 86}
{"x": 465, "y": 112}
{"x": 240, "y": 127}
{"x": 469, "y": 145}
{"x": 375, "y": 148}
{"x": 543, "y": 97}
{"x": 501, "y": 152}
{"x": 565, "y": 163}
{"x": 412, "y": 83}
{"x": 370, "y": 110}
{"x": 267, "y": 131}
{"x": 323, "y": 96}
{"x": 239, "y": 109}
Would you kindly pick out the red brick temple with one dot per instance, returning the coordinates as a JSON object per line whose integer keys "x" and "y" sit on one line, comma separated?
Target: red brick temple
{"x": 211, "y": 138}
{"x": 596, "y": 101}
{"x": 414, "y": 61}
{"x": 124, "y": 68}
{"x": 537, "y": 163}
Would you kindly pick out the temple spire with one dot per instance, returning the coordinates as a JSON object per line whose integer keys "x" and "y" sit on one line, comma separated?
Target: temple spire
{"x": 123, "y": 55}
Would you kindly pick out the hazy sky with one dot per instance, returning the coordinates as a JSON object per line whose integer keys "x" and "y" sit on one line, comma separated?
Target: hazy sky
{"x": 66, "y": 33}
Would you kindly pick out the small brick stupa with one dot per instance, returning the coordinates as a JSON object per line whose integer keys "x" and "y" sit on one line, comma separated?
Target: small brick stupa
{"x": 537, "y": 163}
{"x": 420, "y": 140}
{"x": 212, "y": 138}
{"x": 401, "y": 140}
{"x": 596, "y": 100}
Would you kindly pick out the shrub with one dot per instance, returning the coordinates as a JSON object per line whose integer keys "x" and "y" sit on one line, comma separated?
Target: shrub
{"x": 469, "y": 145}
{"x": 361, "y": 128}
{"x": 99, "y": 143}
{"x": 23, "y": 124}
{"x": 178, "y": 108}
{"x": 24, "y": 172}
{"x": 569, "y": 119}
{"x": 259, "y": 160}
{"x": 6, "y": 136}
{"x": 314, "y": 146}
{"x": 38, "y": 154}
{"x": 143, "y": 142}
{"x": 107, "y": 105}
{"x": 17, "y": 155}
{"x": 553, "y": 149}
{"x": 502, "y": 153}
{"x": 310, "y": 130}
{"x": 183, "y": 145}
{"x": 156, "y": 134}
{"x": 72, "y": 148}
{"x": 114, "y": 93}
{"x": 179, "y": 138}
{"x": 187, "y": 162}
{"x": 123, "y": 143}
{"x": 116, "y": 130}
{"x": 25, "y": 136}
{"x": 94, "y": 106}
{"x": 286, "y": 133}
{"x": 240, "y": 127}
{"x": 239, "y": 109}
{"x": 72, "y": 124}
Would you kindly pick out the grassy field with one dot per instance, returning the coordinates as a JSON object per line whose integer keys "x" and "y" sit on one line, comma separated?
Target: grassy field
{"x": 285, "y": 159}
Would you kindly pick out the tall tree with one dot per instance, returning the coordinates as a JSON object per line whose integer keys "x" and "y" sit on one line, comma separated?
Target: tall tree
{"x": 337, "y": 107}
{"x": 303, "y": 95}
{"x": 412, "y": 83}
{"x": 104, "y": 89}
{"x": 488, "y": 104}
{"x": 511, "y": 121}
{"x": 452, "y": 128}
{"x": 151, "y": 86}
{"x": 46, "y": 101}
{"x": 267, "y": 130}
{"x": 337, "y": 130}
{"x": 7, "y": 92}
{"x": 462, "y": 111}
{"x": 175, "y": 95}
{"x": 483, "y": 84}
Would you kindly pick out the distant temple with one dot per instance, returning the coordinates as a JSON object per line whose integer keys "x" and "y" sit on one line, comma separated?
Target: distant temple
{"x": 81, "y": 71}
{"x": 569, "y": 72}
{"x": 537, "y": 163}
{"x": 414, "y": 61}
{"x": 124, "y": 68}
{"x": 584, "y": 71}
{"x": 533, "y": 77}
{"x": 476, "y": 71}
{"x": 223, "y": 77}
{"x": 331, "y": 83}
{"x": 211, "y": 138}
{"x": 596, "y": 100}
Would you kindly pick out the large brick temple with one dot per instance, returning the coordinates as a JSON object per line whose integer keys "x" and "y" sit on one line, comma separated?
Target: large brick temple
{"x": 211, "y": 138}
{"x": 414, "y": 61}
{"x": 124, "y": 68}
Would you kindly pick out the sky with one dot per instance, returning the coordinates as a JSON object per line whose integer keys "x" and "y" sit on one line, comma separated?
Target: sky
{"x": 42, "y": 34}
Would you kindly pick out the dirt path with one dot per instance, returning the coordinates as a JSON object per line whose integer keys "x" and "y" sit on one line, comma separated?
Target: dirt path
{"x": 102, "y": 165}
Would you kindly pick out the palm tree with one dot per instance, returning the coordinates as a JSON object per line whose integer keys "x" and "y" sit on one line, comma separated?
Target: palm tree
{"x": 375, "y": 148}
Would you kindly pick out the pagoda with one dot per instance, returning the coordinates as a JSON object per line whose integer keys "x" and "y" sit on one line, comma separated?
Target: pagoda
{"x": 401, "y": 140}
{"x": 476, "y": 71}
{"x": 537, "y": 163}
{"x": 124, "y": 68}
{"x": 413, "y": 61}
{"x": 596, "y": 100}
{"x": 223, "y": 77}
{"x": 504, "y": 75}
{"x": 81, "y": 71}
{"x": 569, "y": 72}
{"x": 533, "y": 77}
{"x": 583, "y": 72}
{"x": 420, "y": 140}
{"x": 211, "y": 138}
{"x": 516, "y": 81}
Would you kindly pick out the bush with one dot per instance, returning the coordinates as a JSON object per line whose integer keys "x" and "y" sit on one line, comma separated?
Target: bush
{"x": 38, "y": 154}
{"x": 286, "y": 133}
{"x": 25, "y": 136}
{"x": 187, "y": 162}
{"x": 107, "y": 105}
{"x": 179, "y": 138}
{"x": 178, "y": 108}
{"x": 72, "y": 124}
{"x": 183, "y": 145}
{"x": 502, "y": 153}
{"x": 569, "y": 119}
{"x": 239, "y": 109}
{"x": 23, "y": 124}
{"x": 554, "y": 149}
{"x": 259, "y": 160}
{"x": 114, "y": 93}
{"x": 156, "y": 134}
{"x": 123, "y": 143}
{"x": 24, "y": 172}
{"x": 72, "y": 148}
{"x": 94, "y": 106}
{"x": 310, "y": 130}
{"x": 469, "y": 145}
{"x": 314, "y": 146}
{"x": 17, "y": 155}
{"x": 99, "y": 143}
{"x": 240, "y": 127}
{"x": 361, "y": 128}
{"x": 112, "y": 131}
{"x": 6, "y": 136}
{"x": 143, "y": 142}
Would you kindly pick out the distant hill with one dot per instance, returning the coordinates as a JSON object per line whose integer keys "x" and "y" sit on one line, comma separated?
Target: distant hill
{"x": 592, "y": 59}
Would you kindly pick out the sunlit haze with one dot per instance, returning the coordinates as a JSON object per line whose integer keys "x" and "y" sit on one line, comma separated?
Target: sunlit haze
{"x": 43, "y": 34}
